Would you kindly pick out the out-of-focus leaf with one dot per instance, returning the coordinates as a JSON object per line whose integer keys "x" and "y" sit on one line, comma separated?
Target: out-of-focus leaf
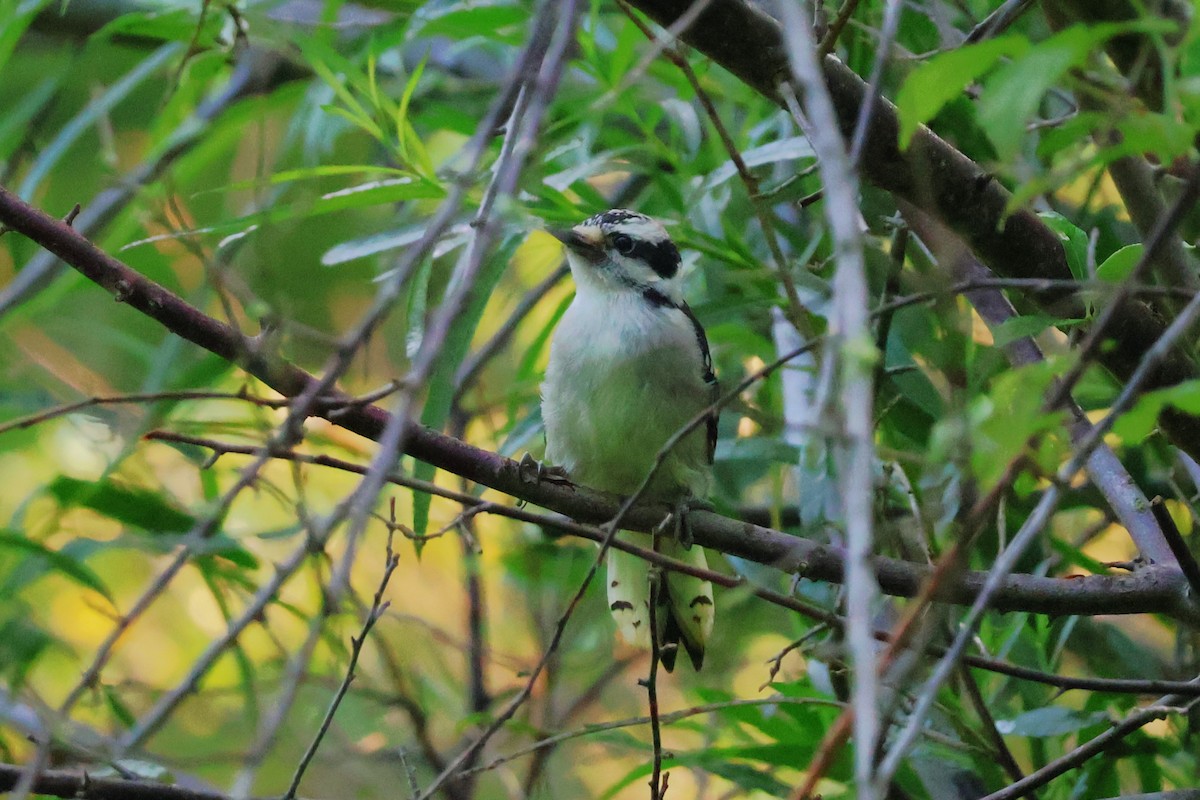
{"x": 230, "y": 550}
{"x": 50, "y": 156}
{"x": 245, "y": 664}
{"x": 1021, "y": 327}
{"x": 58, "y": 562}
{"x": 757, "y": 449}
{"x": 1136, "y": 424}
{"x": 1049, "y": 721}
{"x": 942, "y": 78}
{"x": 14, "y": 121}
{"x": 137, "y": 507}
{"x": 371, "y": 245}
{"x": 1074, "y": 241}
{"x": 791, "y": 149}
{"x": 118, "y": 708}
{"x": 359, "y": 196}
{"x": 1014, "y": 92}
{"x": 412, "y": 149}
{"x": 1120, "y": 264}
{"x": 173, "y": 24}
{"x": 17, "y": 14}
{"x": 21, "y": 643}
{"x": 1164, "y": 137}
{"x": 1007, "y": 417}
{"x": 463, "y": 19}
{"x": 308, "y": 174}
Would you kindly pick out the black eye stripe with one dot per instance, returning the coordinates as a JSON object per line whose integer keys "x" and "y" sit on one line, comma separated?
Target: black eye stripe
{"x": 661, "y": 256}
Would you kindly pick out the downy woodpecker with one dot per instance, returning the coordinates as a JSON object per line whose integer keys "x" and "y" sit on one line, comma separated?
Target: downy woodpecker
{"x": 629, "y": 367}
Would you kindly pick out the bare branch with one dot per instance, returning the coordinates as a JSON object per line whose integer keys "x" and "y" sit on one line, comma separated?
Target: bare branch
{"x": 378, "y": 606}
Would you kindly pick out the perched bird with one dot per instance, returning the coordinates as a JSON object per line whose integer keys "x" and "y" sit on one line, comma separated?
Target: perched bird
{"x": 629, "y": 367}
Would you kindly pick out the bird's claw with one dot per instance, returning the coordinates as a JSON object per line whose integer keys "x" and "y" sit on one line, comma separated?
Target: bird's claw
{"x": 531, "y": 471}
{"x": 677, "y": 524}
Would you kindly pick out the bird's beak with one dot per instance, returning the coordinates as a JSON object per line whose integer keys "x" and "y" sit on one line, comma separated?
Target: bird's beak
{"x": 584, "y": 240}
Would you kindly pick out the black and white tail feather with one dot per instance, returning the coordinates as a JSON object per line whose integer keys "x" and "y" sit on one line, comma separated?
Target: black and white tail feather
{"x": 629, "y": 367}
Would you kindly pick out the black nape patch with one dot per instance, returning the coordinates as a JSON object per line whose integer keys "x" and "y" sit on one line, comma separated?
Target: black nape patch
{"x": 655, "y": 298}
{"x": 661, "y": 256}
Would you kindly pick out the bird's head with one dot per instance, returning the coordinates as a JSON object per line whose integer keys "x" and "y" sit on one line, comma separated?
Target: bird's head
{"x": 621, "y": 251}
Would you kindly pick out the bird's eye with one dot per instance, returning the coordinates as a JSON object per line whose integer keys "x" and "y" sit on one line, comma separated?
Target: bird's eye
{"x": 623, "y": 244}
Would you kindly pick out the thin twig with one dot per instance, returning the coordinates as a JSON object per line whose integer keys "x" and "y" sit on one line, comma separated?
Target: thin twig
{"x": 1003, "y": 754}
{"x": 891, "y": 25}
{"x": 835, "y": 28}
{"x": 657, "y": 779}
{"x": 378, "y": 607}
{"x": 150, "y": 397}
{"x": 998, "y": 21}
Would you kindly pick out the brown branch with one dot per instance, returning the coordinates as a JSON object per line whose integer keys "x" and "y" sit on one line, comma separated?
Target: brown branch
{"x": 72, "y": 786}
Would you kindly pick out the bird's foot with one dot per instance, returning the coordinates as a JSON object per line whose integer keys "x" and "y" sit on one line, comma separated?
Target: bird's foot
{"x": 531, "y": 471}
{"x": 677, "y": 524}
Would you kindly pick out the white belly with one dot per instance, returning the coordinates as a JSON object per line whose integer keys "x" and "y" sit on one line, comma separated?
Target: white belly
{"x": 623, "y": 377}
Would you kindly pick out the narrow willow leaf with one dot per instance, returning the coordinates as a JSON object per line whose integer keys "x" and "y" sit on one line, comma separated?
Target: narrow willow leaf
{"x": 77, "y": 571}
{"x": 138, "y": 508}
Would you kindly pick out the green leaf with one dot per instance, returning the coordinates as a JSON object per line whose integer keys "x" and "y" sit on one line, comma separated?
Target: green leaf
{"x": 1120, "y": 264}
{"x": 16, "y": 118}
{"x": 475, "y": 18}
{"x": 942, "y": 78}
{"x": 118, "y": 708}
{"x": 1049, "y": 721}
{"x": 178, "y": 25}
{"x": 1007, "y": 417}
{"x": 59, "y": 562}
{"x": 1013, "y": 93}
{"x": 21, "y": 643}
{"x": 49, "y": 156}
{"x": 306, "y": 174}
{"x": 138, "y": 508}
{"x": 1136, "y": 424}
{"x": 17, "y": 14}
{"x": 1021, "y": 327}
{"x": 1166, "y": 138}
{"x": 358, "y": 196}
{"x": 412, "y": 149}
{"x": 1075, "y": 242}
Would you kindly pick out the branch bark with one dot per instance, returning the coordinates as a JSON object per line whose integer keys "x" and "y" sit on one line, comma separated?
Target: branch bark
{"x": 71, "y": 785}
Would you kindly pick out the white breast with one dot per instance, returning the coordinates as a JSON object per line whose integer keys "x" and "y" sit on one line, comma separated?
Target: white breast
{"x": 623, "y": 377}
